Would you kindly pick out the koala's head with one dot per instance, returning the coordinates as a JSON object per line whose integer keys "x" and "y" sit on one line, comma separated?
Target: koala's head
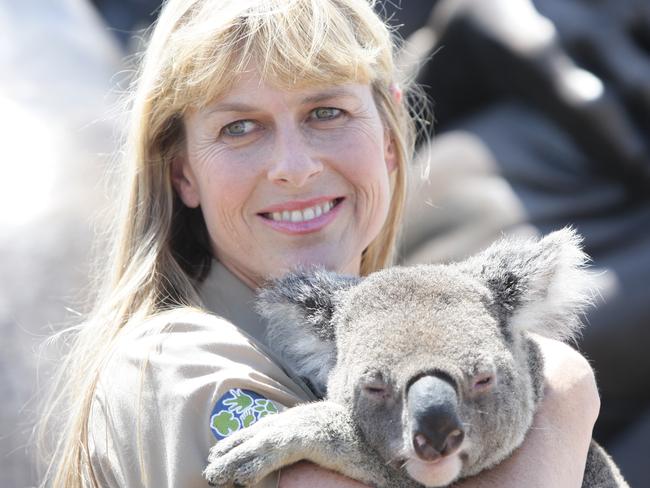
{"x": 435, "y": 361}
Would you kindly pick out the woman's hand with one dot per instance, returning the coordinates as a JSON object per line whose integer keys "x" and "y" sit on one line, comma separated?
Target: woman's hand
{"x": 554, "y": 452}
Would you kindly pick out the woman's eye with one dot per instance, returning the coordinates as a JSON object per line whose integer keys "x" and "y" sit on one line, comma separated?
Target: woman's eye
{"x": 326, "y": 113}
{"x": 239, "y": 128}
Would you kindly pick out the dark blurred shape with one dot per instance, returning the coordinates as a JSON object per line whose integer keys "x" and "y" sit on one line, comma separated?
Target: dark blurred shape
{"x": 406, "y": 16}
{"x": 127, "y": 17}
{"x": 584, "y": 71}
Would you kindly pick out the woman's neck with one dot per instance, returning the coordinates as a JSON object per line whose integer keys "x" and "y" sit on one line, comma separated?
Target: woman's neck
{"x": 255, "y": 281}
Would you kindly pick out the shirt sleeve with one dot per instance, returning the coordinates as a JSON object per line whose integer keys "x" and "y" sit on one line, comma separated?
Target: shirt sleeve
{"x": 165, "y": 397}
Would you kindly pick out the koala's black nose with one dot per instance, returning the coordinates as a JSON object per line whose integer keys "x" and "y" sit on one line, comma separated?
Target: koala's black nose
{"x": 433, "y": 412}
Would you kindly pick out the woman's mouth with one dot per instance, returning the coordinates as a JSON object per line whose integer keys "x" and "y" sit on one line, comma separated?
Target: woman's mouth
{"x": 302, "y": 218}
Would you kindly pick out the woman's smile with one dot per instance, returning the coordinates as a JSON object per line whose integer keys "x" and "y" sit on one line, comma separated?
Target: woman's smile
{"x": 302, "y": 217}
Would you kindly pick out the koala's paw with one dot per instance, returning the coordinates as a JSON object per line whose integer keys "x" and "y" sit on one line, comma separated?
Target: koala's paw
{"x": 245, "y": 457}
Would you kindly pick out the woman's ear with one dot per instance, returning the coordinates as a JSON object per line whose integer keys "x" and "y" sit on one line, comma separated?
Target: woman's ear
{"x": 396, "y": 92}
{"x": 390, "y": 151}
{"x": 184, "y": 181}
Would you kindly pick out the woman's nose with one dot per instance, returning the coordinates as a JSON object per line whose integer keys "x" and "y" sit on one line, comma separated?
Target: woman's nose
{"x": 293, "y": 162}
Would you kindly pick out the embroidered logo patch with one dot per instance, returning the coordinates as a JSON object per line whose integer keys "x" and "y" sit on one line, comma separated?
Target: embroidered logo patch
{"x": 237, "y": 409}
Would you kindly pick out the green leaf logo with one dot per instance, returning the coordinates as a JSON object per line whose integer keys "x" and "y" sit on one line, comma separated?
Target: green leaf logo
{"x": 239, "y": 401}
{"x": 238, "y": 409}
{"x": 264, "y": 407}
{"x": 225, "y": 423}
{"x": 248, "y": 419}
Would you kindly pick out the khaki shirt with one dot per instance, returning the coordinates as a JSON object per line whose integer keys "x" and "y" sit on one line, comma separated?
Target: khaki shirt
{"x": 166, "y": 382}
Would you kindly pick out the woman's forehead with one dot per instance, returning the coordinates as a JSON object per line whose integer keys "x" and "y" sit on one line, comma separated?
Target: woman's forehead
{"x": 250, "y": 89}
{"x": 254, "y": 75}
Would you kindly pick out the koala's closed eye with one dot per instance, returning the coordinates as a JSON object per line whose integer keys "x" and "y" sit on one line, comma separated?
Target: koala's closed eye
{"x": 375, "y": 386}
{"x": 483, "y": 382}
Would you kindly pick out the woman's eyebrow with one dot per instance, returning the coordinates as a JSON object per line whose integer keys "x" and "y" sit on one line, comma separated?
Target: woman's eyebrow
{"x": 309, "y": 99}
{"x": 231, "y": 107}
{"x": 328, "y": 95}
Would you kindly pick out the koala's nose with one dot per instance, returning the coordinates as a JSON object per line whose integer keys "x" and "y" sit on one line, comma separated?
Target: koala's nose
{"x": 433, "y": 411}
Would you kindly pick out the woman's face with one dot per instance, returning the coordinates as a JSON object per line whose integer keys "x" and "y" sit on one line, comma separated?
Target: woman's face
{"x": 287, "y": 179}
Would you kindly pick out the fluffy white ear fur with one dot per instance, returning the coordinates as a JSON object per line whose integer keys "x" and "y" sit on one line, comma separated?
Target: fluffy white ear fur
{"x": 561, "y": 288}
{"x": 543, "y": 284}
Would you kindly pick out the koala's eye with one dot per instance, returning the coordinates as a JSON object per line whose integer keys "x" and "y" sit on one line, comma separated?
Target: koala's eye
{"x": 483, "y": 382}
{"x": 375, "y": 389}
{"x": 376, "y": 386}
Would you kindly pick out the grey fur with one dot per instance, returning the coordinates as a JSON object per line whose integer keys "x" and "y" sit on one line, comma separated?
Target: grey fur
{"x": 370, "y": 339}
{"x": 308, "y": 301}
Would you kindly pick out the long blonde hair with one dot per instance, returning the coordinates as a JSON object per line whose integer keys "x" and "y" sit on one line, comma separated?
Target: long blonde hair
{"x": 160, "y": 250}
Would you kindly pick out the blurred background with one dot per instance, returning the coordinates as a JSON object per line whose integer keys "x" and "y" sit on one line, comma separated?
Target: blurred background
{"x": 541, "y": 119}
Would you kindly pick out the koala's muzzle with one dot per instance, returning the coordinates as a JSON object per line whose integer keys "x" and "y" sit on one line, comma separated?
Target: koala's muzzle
{"x": 432, "y": 406}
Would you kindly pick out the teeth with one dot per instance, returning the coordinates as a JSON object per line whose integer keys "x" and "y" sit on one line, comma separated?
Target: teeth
{"x": 309, "y": 213}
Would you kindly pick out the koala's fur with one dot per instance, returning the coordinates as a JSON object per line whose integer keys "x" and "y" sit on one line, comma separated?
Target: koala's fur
{"x": 458, "y": 331}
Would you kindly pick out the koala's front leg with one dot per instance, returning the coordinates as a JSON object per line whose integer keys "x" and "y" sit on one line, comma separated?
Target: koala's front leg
{"x": 321, "y": 432}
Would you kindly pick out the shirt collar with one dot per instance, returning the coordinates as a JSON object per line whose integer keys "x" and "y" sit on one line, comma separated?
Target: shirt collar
{"x": 227, "y": 296}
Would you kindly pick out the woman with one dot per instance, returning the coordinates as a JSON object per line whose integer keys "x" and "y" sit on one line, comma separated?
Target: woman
{"x": 265, "y": 135}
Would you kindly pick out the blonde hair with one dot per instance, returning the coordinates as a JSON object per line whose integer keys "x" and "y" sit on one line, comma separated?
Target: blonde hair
{"x": 160, "y": 252}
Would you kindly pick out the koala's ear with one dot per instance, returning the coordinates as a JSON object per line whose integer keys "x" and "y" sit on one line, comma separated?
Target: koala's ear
{"x": 299, "y": 309}
{"x": 538, "y": 285}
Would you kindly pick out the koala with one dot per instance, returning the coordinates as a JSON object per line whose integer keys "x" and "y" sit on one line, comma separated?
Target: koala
{"x": 428, "y": 373}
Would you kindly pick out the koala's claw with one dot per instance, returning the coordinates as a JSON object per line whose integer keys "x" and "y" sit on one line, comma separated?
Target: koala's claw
{"x": 245, "y": 457}
{"x": 235, "y": 471}
{"x": 232, "y": 474}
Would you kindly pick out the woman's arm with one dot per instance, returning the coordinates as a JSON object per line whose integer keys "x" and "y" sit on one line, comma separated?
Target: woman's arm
{"x": 554, "y": 452}
{"x": 304, "y": 474}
